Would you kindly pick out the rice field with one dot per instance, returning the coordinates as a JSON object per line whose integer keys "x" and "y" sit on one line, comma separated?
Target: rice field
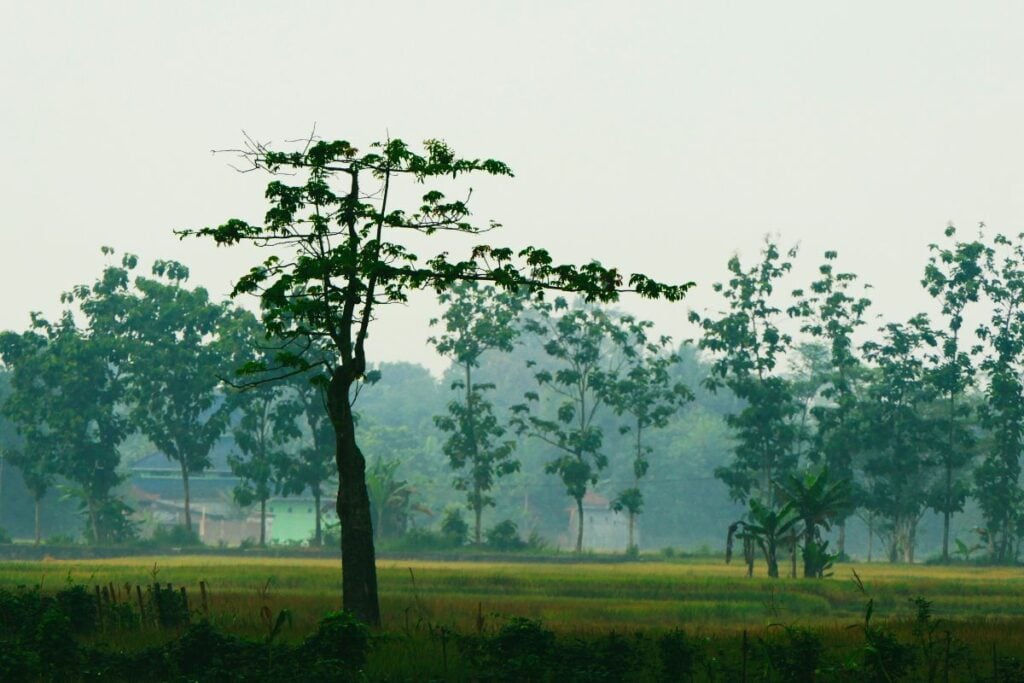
{"x": 703, "y": 595}
{"x": 426, "y": 604}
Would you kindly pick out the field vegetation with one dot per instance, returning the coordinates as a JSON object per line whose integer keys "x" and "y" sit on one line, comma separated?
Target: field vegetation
{"x": 439, "y": 619}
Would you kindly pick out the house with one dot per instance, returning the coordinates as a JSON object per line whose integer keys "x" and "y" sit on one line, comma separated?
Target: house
{"x": 603, "y": 528}
{"x": 159, "y": 496}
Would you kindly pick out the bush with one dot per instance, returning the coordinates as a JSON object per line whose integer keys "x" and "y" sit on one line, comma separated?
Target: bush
{"x": 504, "y": 536}
{"x": 454, "y": 527}
{"x": 178, "y": 536}
{"x": 342, "y": 638}
{"x": 4, "y": 536}
{"x": 668, "y": 552}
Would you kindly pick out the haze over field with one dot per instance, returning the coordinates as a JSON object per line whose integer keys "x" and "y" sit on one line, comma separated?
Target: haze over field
{"x": 660, "y": 138}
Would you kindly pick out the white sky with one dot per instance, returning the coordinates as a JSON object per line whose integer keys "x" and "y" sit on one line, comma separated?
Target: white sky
{"x": 661, "y": 137}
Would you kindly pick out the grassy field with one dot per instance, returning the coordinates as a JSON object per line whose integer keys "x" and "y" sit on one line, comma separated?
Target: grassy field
{"x": 980, "y": 606}
{"x": 573, "y": 597}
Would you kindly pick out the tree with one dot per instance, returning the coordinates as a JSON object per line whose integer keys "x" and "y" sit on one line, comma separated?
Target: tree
{"x": 586, "y": 349}
{"x": 338, "y": 256}
{"x": 816, "y": 499}
{"x": 67, "y": 397}
{"x": 173, "y": 353}
{"x": 29, "y": 448}
{"x": 749, "y": 345}
{"x": 765, "y": 527}
{"x": 997, "y": 478}
{"x": 831, "y": 313}
{"x": 955, "y": 276}
{"x": 898, "y": 434}
{"x": 477, "y": 319}
{"x": 312, "y": 466}
{"x": 265, "y": 430}
{"x": 647, "y": 396}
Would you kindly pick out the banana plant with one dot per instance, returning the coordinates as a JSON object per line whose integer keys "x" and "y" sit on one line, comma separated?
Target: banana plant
{"x": 765, "y": 527}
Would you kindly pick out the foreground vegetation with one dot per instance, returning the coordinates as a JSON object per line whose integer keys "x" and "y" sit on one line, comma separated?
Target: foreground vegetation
{"x": 517, "y": 621}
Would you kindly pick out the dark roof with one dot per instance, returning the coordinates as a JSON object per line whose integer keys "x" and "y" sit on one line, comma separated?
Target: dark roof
{"x": 157, "y": 460}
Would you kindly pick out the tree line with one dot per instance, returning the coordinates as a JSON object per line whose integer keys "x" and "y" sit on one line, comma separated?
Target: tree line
{"x": 825, "y": 425}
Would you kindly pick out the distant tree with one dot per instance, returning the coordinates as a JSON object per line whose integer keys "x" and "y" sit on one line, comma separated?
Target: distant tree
{"x": 997, "y": 477}
{"x": 173, "y": 354}
{"x": 27, "y": 447}
{"x": 331, "y": 222}
{"x": 831, "y": 313}
{"x": 898, "y": 433}
{"x": 477, "y": 319}
{"x": 66, "y": 400}
{"x": 748, "y": 345}
{"x": 646, "y": 395}
{"x": 312, "y": 466}
{"x": 955, "y": 276}
{"x": 266, "y": 429}
{"x": 584, "y": 349}
{"x": 390, "y": 497}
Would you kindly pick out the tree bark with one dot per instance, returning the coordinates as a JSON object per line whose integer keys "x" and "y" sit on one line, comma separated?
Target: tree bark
{"x": 841, "y": 541}
{"x": 359, "y": 570}
{"x": 184, "y": 483}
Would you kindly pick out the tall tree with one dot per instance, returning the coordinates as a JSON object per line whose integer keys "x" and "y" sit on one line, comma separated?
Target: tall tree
{"x": 749, "y": 345}
{"x": 831, "y": 312}
{"x": 899, "y": 434}
{"x": 477, "y": 319}
{"x": 173, "y": 354}
{"x": 997, "y": 477}
{"x": 646, "y": 395}
{"x": 337, "y": 255}
{"x": 955, "y": 276}
{"x": 585, "y": 349}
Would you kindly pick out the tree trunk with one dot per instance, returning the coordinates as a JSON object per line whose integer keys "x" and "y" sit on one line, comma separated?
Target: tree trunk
{"x": 632, "y": 524}
{"x": 945, "y": 537}
{"x": 579, "y": 525}
{"x": 478, "y": 512}
{"x": 184, "y": 483}
{"x": 871, "y": 534}
{"x": 39, "y": 525}
{"x": 358, "y": 560}
{"x": 841, "y": 541}
{"x": 263, "y": 523}
{"x": 770, "y": 557}
{"x": 93, "y": 522}
{"x": 318, "y": 538}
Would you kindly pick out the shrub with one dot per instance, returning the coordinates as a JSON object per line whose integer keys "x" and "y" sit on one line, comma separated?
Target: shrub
{"x": 668, "y": 552}
{"x": 340, "y": 638}
{"x": 4, "y": 536}
{"x": 504, "y": 536}
{"x": 178, "y": 536}
{"x": 679, "y": 655}
{"x": 454, "y": 527}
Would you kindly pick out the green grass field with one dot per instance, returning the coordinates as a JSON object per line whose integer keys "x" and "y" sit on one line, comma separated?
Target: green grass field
{"x": 980, "y": 606}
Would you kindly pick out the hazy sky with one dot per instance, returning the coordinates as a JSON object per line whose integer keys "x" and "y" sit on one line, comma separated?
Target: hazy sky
{"x": 661, "y": 138}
